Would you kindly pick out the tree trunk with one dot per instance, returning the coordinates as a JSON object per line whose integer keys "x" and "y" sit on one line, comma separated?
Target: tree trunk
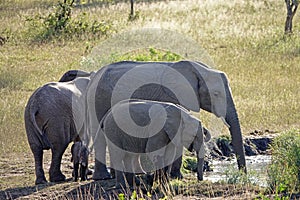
{"x": 131, "y": 8}
{"x": 291, "y": 6}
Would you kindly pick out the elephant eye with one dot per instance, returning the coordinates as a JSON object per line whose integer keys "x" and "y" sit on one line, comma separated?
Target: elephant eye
{"x": 216, "y": 93}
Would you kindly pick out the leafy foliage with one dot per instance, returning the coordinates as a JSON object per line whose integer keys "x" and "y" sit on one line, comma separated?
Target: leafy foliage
{"x": 189, "y": 163}
{"x": 284, "y": 170}
{"x": 60, "y": 23}
{"x": 151, "y": 54}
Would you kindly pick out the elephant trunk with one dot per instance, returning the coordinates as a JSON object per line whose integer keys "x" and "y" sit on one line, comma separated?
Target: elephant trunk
{"x": 236, "y": 134}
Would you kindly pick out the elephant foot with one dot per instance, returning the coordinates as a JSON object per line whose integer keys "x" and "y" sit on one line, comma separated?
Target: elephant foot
{"x": 90, "y": 172}
{"x": 58, "y": 178}
{"x": 176, "y": 175}
{"x": 39, "y": 181}
{"x": 137, "y": 181}
{"x": 150, "y": 179}
{"x": 101, "y": 172}
{"x": 101, "y": 176}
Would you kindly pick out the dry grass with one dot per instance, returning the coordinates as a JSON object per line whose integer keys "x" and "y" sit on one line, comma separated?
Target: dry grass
{"x": 244, "y": 39}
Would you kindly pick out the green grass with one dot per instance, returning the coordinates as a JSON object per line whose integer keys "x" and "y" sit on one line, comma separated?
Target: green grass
{"x": 284, "y": 170}
{"x": 243, "y": 38}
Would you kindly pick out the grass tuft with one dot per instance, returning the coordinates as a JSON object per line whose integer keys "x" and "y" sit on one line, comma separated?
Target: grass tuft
{"x": 284, "y": 170}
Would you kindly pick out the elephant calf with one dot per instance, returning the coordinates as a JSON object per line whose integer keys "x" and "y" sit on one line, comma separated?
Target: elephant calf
{"x": 158, "y": 130}
{"x": 80, "y": 155}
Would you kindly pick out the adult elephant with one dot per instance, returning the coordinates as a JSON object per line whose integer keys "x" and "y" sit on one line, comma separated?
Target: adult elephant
{"x": 53, "y": 119}
{"x": 190, "y": 84}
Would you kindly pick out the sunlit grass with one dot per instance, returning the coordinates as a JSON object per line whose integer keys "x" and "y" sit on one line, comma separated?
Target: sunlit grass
{"x": 244, "y": 39}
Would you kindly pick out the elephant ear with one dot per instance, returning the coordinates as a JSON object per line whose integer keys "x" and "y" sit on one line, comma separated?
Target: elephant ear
{"x": 173, "y": 126}
{"x": 72, "y": 74}
{"x": 191, "y": 126}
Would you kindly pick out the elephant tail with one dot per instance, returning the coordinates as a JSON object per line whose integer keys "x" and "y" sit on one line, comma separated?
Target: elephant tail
{"x": 43, "y": 139}
{"x": 206, "y": 134}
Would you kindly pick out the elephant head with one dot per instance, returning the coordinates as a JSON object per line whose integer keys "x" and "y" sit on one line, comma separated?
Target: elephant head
{"x": 214, "y": 95}
{"x": 190, "y": 134}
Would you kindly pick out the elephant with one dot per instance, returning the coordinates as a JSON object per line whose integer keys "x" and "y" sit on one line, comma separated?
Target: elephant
{"x": 80, "y": 155}
{"x": 53, "y": 119}
{"x": 159, "y": 130}
{"x": 190, "y": 84}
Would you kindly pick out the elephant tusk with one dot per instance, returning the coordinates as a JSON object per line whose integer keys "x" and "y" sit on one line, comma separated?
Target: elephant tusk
{"x": 224, "y": 121}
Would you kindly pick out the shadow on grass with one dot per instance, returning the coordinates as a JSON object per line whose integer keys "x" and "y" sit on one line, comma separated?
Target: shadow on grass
{"x": 14, "y": 193}
{"x": 91, "y": 190}
{"x": 49, "y": 190}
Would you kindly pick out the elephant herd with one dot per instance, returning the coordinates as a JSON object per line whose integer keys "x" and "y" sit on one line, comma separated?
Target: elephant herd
{"x": 138, "y": 111}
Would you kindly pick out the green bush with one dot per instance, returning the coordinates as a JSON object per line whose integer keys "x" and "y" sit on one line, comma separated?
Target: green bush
{"x": 60, "y": 23}
{"x": 284, "y": 170}
{"x": 150, "y": 54}
{"x": 189, "y": 163}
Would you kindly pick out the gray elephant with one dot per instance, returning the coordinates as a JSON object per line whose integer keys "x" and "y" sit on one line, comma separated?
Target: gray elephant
{"x": 158, "y": 130}
{"x": 80, "y": 155}
{"x": 192, "y": 85}
{"x": 53, "y": 119}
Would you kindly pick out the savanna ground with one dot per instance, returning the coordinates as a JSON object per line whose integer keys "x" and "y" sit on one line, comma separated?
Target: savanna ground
{"x": 244, "y": 39}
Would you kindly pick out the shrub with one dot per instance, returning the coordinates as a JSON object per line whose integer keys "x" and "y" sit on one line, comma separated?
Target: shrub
{"x": 189, "y": 163}
{"x": 284, "y": 170}
{"x": 60, "y": 23}
{"x": 150, "y": 54}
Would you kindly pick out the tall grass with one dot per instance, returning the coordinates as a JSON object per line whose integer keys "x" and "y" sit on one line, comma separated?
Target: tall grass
{"x": 284, "y": 170}
{"x": 244, "y": 39}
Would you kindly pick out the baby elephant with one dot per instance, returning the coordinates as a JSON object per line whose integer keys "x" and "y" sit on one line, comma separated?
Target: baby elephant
{"x": 79, "y": 158}
{"x": 158, "y": 131}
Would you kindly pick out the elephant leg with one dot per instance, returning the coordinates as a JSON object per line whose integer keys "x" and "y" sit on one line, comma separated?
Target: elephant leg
{"x": 130, "y": 169}
{"x": 130, "y": 179}
{"x": 38, "y": 161}
{"x": 55, "y": 173}
{"x": 120, "y": 179}
{"x": 116, "y": 161}
{"x": 136, "y": 164}
{"x": 170, "y": 155}
{"x": 101, "y": 172}
{"x": 200, "y": 168}
{"x": 75, "y": 171}
{"x": 175, "y": 170}
{"x": 200, "y": 161}
{"x": 83, "y": 172}
{"x": 150, "y": 179}
{"x": 159, "y": 174}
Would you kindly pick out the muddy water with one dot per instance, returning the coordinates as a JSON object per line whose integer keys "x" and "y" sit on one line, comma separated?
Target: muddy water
{"x": 256, "y": 165}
